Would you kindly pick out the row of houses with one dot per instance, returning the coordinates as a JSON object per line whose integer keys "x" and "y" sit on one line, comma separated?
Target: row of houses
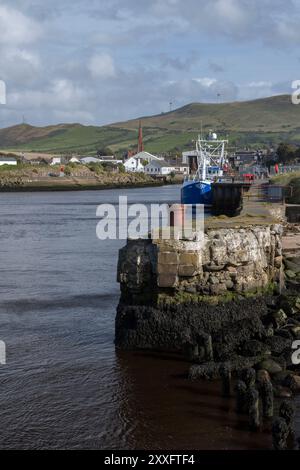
{"x": 9, "y": 160}
{"x": 152, "y": 165}
{"x": 54, "y": 160}
{"x": 143, "y": 162}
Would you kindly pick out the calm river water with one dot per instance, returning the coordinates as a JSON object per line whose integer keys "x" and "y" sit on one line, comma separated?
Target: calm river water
{"x": 64, "y": 384}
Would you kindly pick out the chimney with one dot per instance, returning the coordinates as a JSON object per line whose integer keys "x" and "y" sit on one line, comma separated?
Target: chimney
{"x": 140, "y": 140}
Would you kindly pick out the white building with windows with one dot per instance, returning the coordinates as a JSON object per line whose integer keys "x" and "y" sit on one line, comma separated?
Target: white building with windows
{"x": 134, "y": 164}
{"x": 181, "y": 168}
{"x": 8, "y": 160}
{"x": 55, "y": 161}
{"x": 159, "y": 168}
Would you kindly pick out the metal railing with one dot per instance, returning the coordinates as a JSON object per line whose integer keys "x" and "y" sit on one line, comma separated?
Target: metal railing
{"x": 275, "y": 192}
{"x": 283, "y": 169}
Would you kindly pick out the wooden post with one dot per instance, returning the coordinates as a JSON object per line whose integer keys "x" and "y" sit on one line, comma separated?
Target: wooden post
{"x": 253, "y": 404}
{"x": 225, "y": 373}
{"x": 241, "y": 392}
{"x": 267, "y": 398}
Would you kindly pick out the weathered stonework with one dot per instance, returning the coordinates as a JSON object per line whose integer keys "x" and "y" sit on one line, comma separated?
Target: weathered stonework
{"x": 237, "y": 260}
{"x": 189, "y": 293}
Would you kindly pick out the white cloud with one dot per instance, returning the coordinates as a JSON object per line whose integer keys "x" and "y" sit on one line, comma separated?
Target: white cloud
{"x": 102, "y": 66}
{"x": 60, "y": 95}
{"x": 261, "y": 89}
{"x": 260, "y": 84}
{"x": 200, "y": 90}
{"x": 17, "y": 28}
{"x": 206, "y": 82}
{"x": 76, "y": 115}
{"x": 18, "y": 65}
{"x": 230, "y": 11}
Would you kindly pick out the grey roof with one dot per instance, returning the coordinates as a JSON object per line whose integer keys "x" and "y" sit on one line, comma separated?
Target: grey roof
{"x": 176, "y": 165}
{"x": 160, "y": 163}
{"x": 90, "y": 160}
{"x": 146, "y": 155}
{"x": 7, "y": 159}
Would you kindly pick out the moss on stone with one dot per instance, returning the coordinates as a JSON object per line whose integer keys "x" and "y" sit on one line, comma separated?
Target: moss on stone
{"x": 181, "y": 297}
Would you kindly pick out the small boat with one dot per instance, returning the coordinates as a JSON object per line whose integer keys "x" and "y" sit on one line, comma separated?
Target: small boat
{"x": 211, "y": 160}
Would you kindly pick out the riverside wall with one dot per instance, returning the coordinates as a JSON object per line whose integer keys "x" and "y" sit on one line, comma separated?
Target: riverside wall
{"x": 225, "y": 260}
{"x": 179, "y": 290}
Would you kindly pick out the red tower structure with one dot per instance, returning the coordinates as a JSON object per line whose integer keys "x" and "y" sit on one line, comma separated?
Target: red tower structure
{"x": 140, "y": 140}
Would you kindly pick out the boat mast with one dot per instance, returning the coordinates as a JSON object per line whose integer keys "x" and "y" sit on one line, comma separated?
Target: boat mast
{"x": 210, "y": 152}
{"x": 201, "y": 160}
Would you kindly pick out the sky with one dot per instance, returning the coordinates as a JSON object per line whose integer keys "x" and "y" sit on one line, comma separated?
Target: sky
{"x": 102, "y": 61}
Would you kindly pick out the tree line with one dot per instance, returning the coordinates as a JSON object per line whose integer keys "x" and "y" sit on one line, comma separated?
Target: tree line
{"x": 288, "y": 153}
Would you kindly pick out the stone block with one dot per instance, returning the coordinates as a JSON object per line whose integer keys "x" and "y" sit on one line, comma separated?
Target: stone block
{"x": 190, "y": 289}
{"x": 165, "y": 245}
{"x": 214, "y": 267}
{"x": 229, "y": 284}
{"x": 214, "y": 280}
{"x": 186, "y": 270}
{"x": 217, "y": 289}
{"x": 163, "y": 268}
{"x": 167, "y": 280}
{"x": 232, "y": 269}
{"x": 189, "y": 258}
{"x": 167, "y": 257}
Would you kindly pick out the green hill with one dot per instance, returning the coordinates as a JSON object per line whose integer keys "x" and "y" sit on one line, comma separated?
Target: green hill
{"x": 259, "y": 122}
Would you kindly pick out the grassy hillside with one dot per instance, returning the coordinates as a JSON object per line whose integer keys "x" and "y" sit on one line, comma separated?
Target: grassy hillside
{"x": 259, "y": 122}
{"x": 272, "y": 114}
{"x": 61, "y": 138}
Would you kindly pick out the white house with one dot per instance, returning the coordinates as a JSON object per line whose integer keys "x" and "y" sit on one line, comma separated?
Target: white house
{"x": 134, "y": 164}
{"x": 55, "y": 161}
{"x": 159, "y": 168}
{"x": 7, "y": 160}
{"x": 181, "y": 168}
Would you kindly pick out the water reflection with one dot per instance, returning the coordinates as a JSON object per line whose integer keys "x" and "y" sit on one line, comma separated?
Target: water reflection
{"x": 166, "y": 411}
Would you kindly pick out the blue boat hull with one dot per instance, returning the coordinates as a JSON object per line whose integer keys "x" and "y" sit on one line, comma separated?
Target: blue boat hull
{"x": 196, "y": 192}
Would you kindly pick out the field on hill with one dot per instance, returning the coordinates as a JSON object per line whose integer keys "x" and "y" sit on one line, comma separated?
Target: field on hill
{"x": 260, "y": 122}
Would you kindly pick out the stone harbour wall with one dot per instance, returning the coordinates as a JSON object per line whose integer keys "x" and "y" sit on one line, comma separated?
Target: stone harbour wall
{"x": 218, "y": 285}
{"x": 227, "y": 260}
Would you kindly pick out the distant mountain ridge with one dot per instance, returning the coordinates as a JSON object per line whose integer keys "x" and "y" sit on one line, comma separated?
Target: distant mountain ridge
{"x": 262, "y": 121}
